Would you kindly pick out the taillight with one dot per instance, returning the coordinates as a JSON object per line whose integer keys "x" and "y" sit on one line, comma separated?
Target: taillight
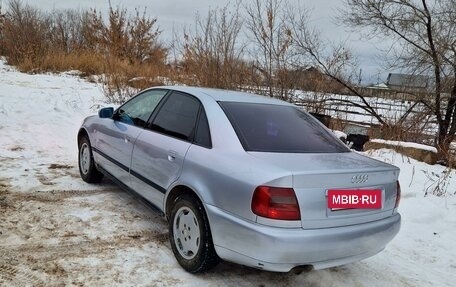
{"x": 275, "y": 203}
{"x": 398, "y": 194}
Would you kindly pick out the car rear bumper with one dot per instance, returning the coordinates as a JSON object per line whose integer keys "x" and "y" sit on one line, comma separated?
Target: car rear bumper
{"x": 281, "y": 249}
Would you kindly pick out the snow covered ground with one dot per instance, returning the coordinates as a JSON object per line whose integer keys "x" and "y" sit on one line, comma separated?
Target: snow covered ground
{"x": 56, "y": 230}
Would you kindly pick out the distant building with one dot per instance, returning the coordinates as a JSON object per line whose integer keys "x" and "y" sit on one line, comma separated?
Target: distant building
{"x": 407, "y": 82}
{"x": 312, "y": 79}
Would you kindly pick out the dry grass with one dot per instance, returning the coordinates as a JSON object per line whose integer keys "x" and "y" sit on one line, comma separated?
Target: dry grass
{"x": 89, "y": 63}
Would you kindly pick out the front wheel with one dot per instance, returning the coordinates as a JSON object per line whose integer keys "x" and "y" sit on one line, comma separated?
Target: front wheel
{"x": 87, "y": 169}
{"x": 190, "y": 235}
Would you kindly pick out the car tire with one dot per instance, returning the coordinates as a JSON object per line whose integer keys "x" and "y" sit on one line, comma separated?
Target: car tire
{"x": 190, "y": 235}
{"x": 87, "y": 169}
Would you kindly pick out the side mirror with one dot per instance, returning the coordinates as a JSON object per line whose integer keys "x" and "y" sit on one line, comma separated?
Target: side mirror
{"x": 106, "y": 113}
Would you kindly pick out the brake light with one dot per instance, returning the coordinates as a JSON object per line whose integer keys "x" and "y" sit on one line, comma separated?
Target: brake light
{"x": 276, "y": 203}
{"x": 398, "y": 194}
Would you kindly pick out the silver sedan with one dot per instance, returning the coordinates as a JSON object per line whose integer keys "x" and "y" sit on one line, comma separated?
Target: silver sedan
{"x": 243, "y": 178}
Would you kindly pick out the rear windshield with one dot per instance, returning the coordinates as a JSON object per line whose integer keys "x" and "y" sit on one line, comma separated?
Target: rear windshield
{"x": 275, "y": 128}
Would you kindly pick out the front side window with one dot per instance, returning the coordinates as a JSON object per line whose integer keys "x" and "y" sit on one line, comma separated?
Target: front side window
{"x": 177, "y": 117}
{"x": 138, "y": 110}
{"x": 276, "y": 128}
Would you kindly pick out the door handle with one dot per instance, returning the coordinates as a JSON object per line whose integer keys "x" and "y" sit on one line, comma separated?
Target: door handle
{"x": 126, "y": 139}
{"x": 172, "y": 155}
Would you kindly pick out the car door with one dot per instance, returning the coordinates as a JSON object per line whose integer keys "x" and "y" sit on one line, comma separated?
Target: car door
{"x": 159, "y": 151}
{"x": 115, "y": 136}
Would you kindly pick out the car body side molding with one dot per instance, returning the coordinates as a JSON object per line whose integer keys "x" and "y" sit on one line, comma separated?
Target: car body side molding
{"x": 132, "y": 172}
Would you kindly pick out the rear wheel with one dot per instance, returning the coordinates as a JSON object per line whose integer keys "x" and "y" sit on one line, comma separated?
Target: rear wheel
{"x": 190, "y": 235}
{"x": 87, "y": 169}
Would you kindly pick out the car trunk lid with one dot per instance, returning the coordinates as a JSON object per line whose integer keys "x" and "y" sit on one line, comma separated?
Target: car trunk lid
{"x": 315, "y": 174}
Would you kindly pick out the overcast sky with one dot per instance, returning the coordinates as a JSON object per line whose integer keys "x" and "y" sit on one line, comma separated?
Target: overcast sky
{"x": 177, "y": 14}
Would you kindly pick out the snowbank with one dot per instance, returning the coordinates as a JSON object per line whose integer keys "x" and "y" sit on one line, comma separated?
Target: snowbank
{"x": 405, "y": 144}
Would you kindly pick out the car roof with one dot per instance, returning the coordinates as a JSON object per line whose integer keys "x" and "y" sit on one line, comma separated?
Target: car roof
{"x": 220, "y": 95}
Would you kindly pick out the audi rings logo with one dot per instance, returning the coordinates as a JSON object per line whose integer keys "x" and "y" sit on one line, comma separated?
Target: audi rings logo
{"x": 360, "y": 178}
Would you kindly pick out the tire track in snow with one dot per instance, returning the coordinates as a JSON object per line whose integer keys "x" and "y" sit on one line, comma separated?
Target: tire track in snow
{"x": 11, "y": 276}
{"x": 57, "y": 195}
{"x": 21, "y": 259}
{"x": 51, "y": 251}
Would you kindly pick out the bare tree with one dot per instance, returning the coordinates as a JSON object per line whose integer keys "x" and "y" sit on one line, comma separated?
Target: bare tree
{"x": 271, "y": 44}
{"x": 66, "y": 30}
{"x": 425, "y": 31}
{"x": 213, "y": 53}
{"x": 334, "y": 61}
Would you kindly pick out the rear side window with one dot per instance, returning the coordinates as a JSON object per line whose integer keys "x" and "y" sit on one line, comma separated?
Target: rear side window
{"x": 275, "y": 128}
{"x": 177, "y": 117}
{"x": 203, "y": 136}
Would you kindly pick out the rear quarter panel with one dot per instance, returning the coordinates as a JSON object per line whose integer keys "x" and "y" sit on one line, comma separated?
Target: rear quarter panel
{"x": 227, "y": 180}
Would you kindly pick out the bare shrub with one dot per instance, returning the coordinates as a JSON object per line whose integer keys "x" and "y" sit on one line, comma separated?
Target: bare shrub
{"x": 143, "y": 43}
{"x": 23, "y": 31}
{"x": 116, "y": 33}
{"x": 438, "y": 184}
{"x": 27, "y": 34}
{"x": 2, "y": 21}
{"x": 122, "y": 79}
{"x": 123, "y": 48}
{"x": 116, "y": 89}
{"x": 92, "y": 32}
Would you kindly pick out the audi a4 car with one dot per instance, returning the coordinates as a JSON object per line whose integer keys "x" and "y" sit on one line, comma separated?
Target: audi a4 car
{"x": 243, "y": 178}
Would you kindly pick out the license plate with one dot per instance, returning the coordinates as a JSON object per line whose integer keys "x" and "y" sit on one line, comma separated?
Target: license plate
{"x": 354, "y": 198}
